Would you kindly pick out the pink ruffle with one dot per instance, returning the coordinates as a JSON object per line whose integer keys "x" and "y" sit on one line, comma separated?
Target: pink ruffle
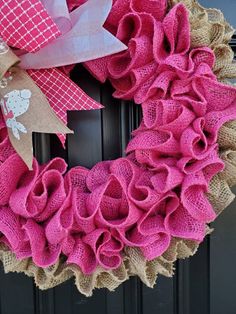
{"x": 155, "y": 193}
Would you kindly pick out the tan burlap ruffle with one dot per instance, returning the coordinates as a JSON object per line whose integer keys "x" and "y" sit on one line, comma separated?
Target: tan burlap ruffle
{"x": 208, "y": 28}
{"x": 134, "y": 265}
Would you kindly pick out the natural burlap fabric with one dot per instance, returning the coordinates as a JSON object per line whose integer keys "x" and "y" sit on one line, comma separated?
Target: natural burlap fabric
{"x": 208, "y": 29}
{"x": 134, "y": 265}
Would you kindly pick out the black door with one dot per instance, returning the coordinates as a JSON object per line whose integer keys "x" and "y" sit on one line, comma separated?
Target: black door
{"x": 204, "y": 284}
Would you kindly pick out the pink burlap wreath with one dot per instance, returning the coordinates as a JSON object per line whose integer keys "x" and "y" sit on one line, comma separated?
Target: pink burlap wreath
{"x": 158, "y": 192}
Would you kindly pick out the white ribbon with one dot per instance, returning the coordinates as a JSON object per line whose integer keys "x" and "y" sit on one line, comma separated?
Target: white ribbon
{"x": 83, "y": 36}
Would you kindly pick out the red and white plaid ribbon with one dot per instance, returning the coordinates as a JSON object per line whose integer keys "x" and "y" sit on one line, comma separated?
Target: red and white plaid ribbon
{"x": 25, "y": 24}
{"x": 52, "y": 82}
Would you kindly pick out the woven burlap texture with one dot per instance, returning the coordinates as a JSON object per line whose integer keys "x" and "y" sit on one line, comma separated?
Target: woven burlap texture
{"x": 208, "y": 28}
{"x": 134, "y": 264}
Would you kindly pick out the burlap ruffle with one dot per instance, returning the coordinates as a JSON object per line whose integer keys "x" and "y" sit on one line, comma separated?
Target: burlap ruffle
{"x": 208, "y": 28}
{"x": 134, "y": 264}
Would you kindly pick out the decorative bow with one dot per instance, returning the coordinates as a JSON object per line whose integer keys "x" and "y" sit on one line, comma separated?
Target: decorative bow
{"x": 82, "y": 36}
{"x": 47, "y": 36}
{"x": 25, "y": 108}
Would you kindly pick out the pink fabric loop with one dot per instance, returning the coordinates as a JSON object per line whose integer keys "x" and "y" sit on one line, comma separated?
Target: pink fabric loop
{"x": 167, "y": 115}
{"x": 83, "y": 256}
{"x": 157, "y": 247}
{"x": 10, "y": 228}
{"x": 182, "y": 90}
{"x": 190, "y": 166}
{"x": 178, "y": 63}
{"x": 57, "y": 164}
{"x": 119, "y": 9}
{"x": 76, "y": 179}
{"x": 166, "y": 178}
{"x": 194, "y": 199}
{"x": 152, "y": 245}
{"x": 153, "y": 221}
{"x": 43, "y": 253}
{"x": 39, "y": 193}
{"x": 162, "y": 142}
{"x": 214, "y": 121}
{"x": 97, "y": 175}
{"x": 10, "y": 173}
{"x": 134, "y": 57}
{"x": 152, "y": 159}
{"x": 203, "y": 56}
{"x": 83, "y": 216}
{"x": 177, "y": 29}
{"x": 142, "y": 193}
{"x": 168, "y": 32}
{"x": 182, "y": 225}
{"x": 26, "y": 24}
{"x": 47, "y": 196}
{"x": 84, "y": 211}
{"x": 156, "y": 86}
{"x": 58, "y": 226}
{"x": 133, "y": 26}
{"x": 106, "y": 247}
{"x": 218, "y": 96}
{"x": 98, "y": 68}
{"x": 97, "y": 248}
{"x": 194, "y": 143}
{"x": 156, "y": 7}
{"x": 140, "y": 78}
{"x": 61, "y": 223}
{"x": 133, "y": 238}
{"x": 111, "y": 197}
